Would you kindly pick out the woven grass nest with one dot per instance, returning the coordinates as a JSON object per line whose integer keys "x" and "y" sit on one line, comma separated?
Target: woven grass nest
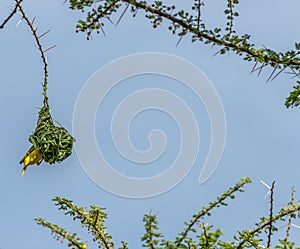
{"x": 54, "y": 142}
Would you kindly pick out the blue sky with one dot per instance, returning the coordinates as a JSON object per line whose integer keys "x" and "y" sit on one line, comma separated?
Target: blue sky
{"x": 262, "y": 135}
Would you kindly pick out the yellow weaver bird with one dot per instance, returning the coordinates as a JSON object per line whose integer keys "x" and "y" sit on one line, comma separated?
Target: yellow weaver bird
{"x": 32, "y": 156}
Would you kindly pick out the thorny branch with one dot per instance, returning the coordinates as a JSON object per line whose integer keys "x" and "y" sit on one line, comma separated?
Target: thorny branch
{"x": 267, "y": 223}
{"x": 40, "y": 48}
{"x": 287, "y": 234}
{"x": 10, "y": 15}
{"x": 271, "y": 213}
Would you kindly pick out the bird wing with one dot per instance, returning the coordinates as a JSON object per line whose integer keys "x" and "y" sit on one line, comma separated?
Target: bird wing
{"x": 27, "y": 153}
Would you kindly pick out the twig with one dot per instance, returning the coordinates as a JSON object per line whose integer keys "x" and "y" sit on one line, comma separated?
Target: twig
{"x": 230, "y": 18}
{"x": 10, "y": 15}
{"x": 60, "y": 233}
{"x": 96, "y": 219}
{"x": 271, "y": 214}
{"x": 287, "y": 234}
{"x": 100, "y": 15}
{"x": 205, "y": 236}
{"x": 40, "y": 48}
{"x": 198, "y": 14}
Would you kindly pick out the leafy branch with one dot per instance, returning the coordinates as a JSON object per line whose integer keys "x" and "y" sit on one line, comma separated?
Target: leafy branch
{"x": 287, "y": 234}
{"x": 267, "y": 224}
{"x": 151, "y": 237}
{"x": 182, "y": 23}
{"x": 94, "y": 218}
{"x": 206, "y": 210}
{"x": 60, "y": 234}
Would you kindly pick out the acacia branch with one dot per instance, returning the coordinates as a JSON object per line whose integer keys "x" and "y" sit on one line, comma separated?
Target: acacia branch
{"x": 287, "y": 233}
{"x": 92, "y": 219}
{"x": 271, "y": 213}
{"x": 284, "y": 212}
{"x": 200, "y": 34}
{"x": 60, "y": 234}
{"x": 205, "y": 236}
{"x": 40, "y": 48}
{"x": 10, "y": 15}
{"x": 238, "y": 44}
{"x": 206, "y": 210}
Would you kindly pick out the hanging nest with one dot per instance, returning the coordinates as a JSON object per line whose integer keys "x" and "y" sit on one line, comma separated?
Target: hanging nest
{"x": 54, "y": 142}
{"x": 49, "y": 142}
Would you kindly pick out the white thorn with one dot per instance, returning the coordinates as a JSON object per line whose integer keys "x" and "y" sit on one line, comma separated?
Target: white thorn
{"x": 19, "y": 22}
{"x": 266, "y": 185}
{"x": 269, "y": 192}
{"x": 296, "y": 226}
{"x": 262, "y": 246}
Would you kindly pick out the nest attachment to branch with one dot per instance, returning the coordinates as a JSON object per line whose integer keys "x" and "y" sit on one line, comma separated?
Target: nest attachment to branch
{"x": 55, "y": 143}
